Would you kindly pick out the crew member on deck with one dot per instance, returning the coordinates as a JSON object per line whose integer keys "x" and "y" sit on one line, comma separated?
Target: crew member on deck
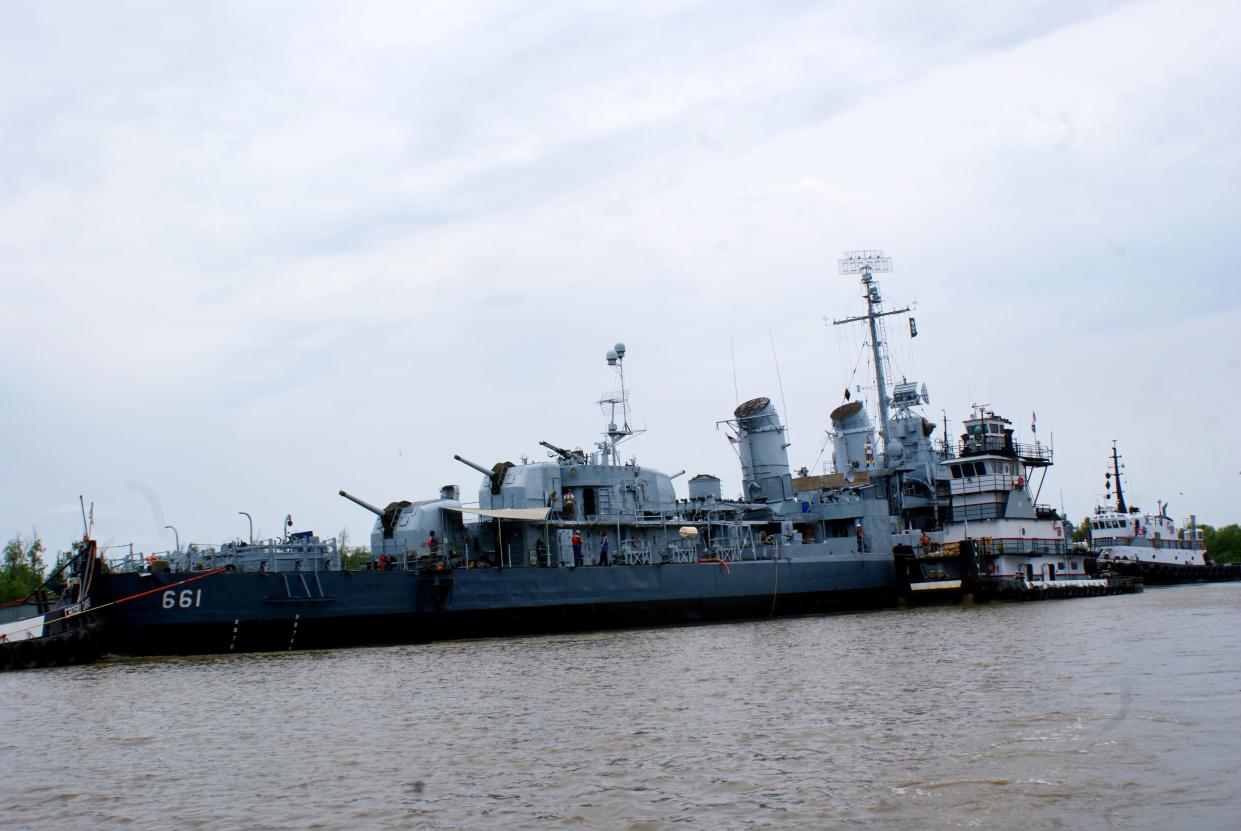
{"x": 861, "y": 538}
{"x": 577, "y": 549}
{"x": 603, "y": 550}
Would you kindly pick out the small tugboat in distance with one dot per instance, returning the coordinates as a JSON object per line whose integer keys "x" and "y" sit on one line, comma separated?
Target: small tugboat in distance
{"x": 1130, "y": 542}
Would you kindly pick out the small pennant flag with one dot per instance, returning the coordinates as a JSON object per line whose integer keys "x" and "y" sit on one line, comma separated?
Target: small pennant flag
{"x": 733, "y": 438}
{"x": 1033, "y": 422}
{"x": 848, "y": 395}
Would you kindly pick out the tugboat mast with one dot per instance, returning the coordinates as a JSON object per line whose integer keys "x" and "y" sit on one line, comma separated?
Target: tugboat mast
{"x": 1120, "y": 494}
{"x": 865, "y": 263}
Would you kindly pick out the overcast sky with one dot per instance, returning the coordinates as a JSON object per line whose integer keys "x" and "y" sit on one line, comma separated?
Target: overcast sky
{"x": 253, "y": 253}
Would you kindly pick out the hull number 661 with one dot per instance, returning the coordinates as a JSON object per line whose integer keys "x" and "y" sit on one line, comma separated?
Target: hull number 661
{"x": 185, "y": 599}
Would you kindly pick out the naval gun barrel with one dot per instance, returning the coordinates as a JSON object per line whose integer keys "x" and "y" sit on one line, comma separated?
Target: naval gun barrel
{"x": 567, "y": 455}
{"x": 368, "y": 506}
{"x": 484, "y": 471}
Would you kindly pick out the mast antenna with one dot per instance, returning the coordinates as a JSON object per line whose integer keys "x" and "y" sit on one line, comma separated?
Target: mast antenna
{"x": 616, "y": 404}
{"x": 867, "y": 263}
{"x": 776, "y": 359}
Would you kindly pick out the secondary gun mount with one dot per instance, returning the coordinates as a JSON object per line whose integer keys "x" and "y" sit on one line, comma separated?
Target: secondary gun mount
{"x": 495, "y": 474}
{"x": 387, "y": 517}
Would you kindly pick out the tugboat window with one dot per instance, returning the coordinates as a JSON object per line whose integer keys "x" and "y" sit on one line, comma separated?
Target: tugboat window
{"x": 980, "y": 469}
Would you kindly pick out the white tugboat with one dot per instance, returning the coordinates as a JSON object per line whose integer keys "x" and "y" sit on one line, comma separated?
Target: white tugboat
{"x": 1130, "y": 541}
{"x": 997, "y": 541}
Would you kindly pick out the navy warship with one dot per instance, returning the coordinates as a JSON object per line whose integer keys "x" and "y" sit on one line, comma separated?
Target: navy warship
{"x": 587, "y": 539}
{"x": 584, "y": 539}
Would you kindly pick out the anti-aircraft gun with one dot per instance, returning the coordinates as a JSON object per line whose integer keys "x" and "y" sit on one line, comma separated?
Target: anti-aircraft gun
{"x": 570, "y": 456}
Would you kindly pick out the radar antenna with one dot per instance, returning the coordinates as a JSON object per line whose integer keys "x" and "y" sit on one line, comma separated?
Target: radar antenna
{"x": 867, "y": 263}
{"x": 615, "y": 405}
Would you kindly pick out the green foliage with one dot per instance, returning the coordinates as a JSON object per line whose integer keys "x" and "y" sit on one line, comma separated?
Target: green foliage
{"x": 1223, "y": 545}
{"x": 22, "y": 570}
{"x": 351, "y": 557}
{"x": 1082, "y": 532}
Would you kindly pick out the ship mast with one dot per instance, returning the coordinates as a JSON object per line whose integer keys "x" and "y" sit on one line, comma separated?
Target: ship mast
{"x": 866, "y": 263}
{"x": 1120, "y": 494}
{"x": 612, "y": 404}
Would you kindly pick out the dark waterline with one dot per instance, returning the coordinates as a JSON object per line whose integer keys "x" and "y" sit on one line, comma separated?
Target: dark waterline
{"x": 1117, "y": 712}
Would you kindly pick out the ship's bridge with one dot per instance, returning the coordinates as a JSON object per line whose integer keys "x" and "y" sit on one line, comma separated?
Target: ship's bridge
{"x": 988, "y": 433}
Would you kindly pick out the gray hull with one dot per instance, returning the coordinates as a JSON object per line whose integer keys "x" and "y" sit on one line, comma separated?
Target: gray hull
{"x": 238, "y": 612}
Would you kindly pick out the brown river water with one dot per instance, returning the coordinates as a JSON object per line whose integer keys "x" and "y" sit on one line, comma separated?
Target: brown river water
{"x": 1116, "y": 712}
